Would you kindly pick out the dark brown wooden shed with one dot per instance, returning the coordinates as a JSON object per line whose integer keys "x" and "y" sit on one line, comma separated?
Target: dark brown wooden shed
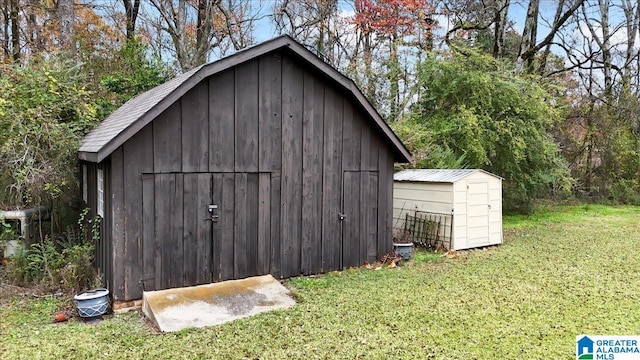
{"x": 267, "y": 161}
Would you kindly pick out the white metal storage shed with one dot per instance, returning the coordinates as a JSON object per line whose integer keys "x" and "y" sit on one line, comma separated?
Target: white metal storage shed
{"x": 471, "y": 199}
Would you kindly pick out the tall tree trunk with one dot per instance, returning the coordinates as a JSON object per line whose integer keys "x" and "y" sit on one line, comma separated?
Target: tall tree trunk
{"x": 500, "y": 24}
{"x": 368, "y": 60}
{"x": 529, "y": 48}
{"x": 203, "y": 30}
{"x": 547, "y": 50}
{"x": 394, "y": 79}
{"x": 606, "y": 48}
{"x": 6, "y": 21}
{"x": 15, "y": 34}
{"x": 632, "y": 17}
{"x": 66, "y": 20}
{"x": 529, "y": 34}
{"x": 131, "y": 9}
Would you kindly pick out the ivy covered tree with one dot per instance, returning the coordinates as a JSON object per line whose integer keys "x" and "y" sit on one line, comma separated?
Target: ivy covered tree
{"x": 48, "y": 105}
{"x": 44, "y": 112}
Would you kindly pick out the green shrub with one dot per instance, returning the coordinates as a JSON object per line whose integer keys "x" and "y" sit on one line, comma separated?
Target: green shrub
{"x": 64, "y": 263}
{"x": 626, "y": 191}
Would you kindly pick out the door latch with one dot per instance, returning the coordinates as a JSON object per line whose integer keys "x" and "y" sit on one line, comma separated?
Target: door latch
{"x": 342, "y": 216}
{"x": 212, "y": 217}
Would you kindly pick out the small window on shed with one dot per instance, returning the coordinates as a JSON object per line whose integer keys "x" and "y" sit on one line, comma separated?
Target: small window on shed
{"x": 100, "y": 193}
{"x": 85, "y": 189}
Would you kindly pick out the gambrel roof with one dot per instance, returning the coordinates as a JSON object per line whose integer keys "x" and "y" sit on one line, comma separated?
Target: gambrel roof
{"x": 136, "y": 113}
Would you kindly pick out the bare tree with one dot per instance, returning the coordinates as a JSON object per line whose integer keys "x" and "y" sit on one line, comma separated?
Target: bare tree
{"x": 530, "y": 48}
{"x": 197, "y": 27}
{"x": 131, "y": 8}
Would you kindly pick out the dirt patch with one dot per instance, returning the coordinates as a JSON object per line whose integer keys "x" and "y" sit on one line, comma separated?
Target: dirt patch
{"x": 8, "y": 292}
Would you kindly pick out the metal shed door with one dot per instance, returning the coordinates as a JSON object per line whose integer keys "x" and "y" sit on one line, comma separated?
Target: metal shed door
{"x": 478, "y": 207}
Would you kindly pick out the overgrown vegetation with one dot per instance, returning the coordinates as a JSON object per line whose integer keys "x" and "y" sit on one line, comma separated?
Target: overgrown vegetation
{"x": 562, "y": 272}
{"x": 479, "y": 112}
{"x": 62, "y": 263}
{"x": 48, "y": 105}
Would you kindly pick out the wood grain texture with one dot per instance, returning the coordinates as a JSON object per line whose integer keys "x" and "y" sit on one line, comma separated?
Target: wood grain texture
{"x": 246, "y": 121}
{"x": 385, "y": 201}
{"x": 270, "y": 112}
{"x": 117, "y": 228}
{"x": 291, "y": 221}
{"x": 352, "y": 222}
{"x": 223, "y": 229}
{"x": 332, "y": 181}
{"x": 264, "y": 224}
{"x": 369, "y": 219}
{"x": 240, "y": 241}
{"x": 138, "y": 159}
{"x": 149, "y": 245}
{"x": 312, "y": 154}
{"x": 351, "y": 134}
{"x": 195, "y": 129}
{"x": 276, "y": 239}
{"x": 167, "y": 147}
{"x": 221, "y": 122}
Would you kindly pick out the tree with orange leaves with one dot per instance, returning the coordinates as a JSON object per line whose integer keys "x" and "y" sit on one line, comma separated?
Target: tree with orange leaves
{"x": 398, "y": 23}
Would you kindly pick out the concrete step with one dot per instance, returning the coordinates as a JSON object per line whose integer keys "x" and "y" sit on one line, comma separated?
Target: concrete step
{"x": 213, "y": 304}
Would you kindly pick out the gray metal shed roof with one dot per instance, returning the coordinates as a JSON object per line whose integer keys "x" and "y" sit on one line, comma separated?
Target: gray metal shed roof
{"x": 136, "y": 113}
{"x": 437, "y": 175}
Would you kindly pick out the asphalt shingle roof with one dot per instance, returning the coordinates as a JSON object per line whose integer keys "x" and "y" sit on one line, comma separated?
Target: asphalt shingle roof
{"x": 131, "y": 117}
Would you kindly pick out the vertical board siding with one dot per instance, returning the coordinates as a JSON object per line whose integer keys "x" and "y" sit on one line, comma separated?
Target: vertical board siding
{"x": 312, "y": 126}
{"x": 221, "y": 122}
{"x": 351, "y": 224}
{"x": 332, "y": 180}
{"x": 223, "y": 229}
{"x": 276, "y": 240}
{"x": 291, "y": 221}
{"x": 369, "y": 220}
{"x": 149, "y": 245}
{"x": 246, "y": 121}
{"x": 385, "y": 200}
{"x": 197, "y": 229}
{"x": 240, "y": 241}
{"x": 190, "y": 222}
{"x": 204, "y": 233}
{"x": 281, "y": 150}
{"x": 169, "y": 230}
{"x": 252, "y": 206}
{"x": 351, "y": 137}
{"x": 270, "y": 113}
{"x": 106, "y": 225}
{"x": 264, "y": 224}
{"x": 195, "y": 129}
{"x": 167, "y": 147}
{"x": 117, "y": 225}
{"x": 138, "y": 159}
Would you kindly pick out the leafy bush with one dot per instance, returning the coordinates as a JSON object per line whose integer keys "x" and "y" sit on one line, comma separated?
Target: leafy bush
{"x": 626, "y": 191}
{"x": 478, "y": 112}
{"x": 45, "y": 111}
{"x": 62, "y": 263}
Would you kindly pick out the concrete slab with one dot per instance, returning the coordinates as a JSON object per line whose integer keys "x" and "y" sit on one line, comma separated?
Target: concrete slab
{"x": 213, "y": 304}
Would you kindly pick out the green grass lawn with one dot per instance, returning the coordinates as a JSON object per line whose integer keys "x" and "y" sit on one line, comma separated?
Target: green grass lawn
{"x": 560, "y": 273}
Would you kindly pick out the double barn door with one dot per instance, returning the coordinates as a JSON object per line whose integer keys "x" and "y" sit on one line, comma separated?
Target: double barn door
{"x": 200, "y": 228}
{"x": 204, "y": 227}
